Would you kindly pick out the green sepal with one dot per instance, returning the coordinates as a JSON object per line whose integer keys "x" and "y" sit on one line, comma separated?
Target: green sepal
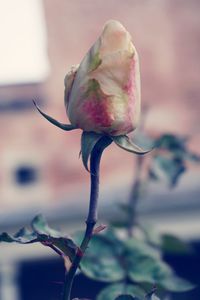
{"x": 125, "y": 143}
{"x": 88, "y": 142}
{"x": 66, "y": 127}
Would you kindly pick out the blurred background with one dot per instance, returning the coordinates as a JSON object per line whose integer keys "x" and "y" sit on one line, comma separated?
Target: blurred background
{"x": 40, "y": 168}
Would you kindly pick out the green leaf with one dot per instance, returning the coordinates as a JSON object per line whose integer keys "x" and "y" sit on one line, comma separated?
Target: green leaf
{"x": 23, "y": 236}
{"x": 125, "y": 297}
{"x": 119, "y": 223}
{"x": 151, "y": 236}
{"x": 66, "y": 127}
{"x": 170, "y": 168}
{"x": 41, "y": 227}
{"x": 148, "y": 270}
{"x": 80, "y": 299}
{"x": 88, "y": 141}
{"x": 44, "y": 234}
{"x": 138, "y": 248}
{"x": 171, "y": 142}
{"x": 125, "y": 143}
{"x": 176, "y": 284}
{"x": 151, "y": 296}
{"x": 193, "y": 157}
{"x": 146, "y": 266}
{"x": 144, "y": 263}
{"x": 101, "y": 261}
{"x": 173, "y": 244}
{"x": 47, "y": 234}
{"x": 176, "y": 145}
{"x": 113, "y": 291}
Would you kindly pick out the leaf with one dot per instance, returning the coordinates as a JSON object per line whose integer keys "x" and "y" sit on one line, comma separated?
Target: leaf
{"x": 151, "y": 236}
{"x": 119, "y": 223}
{"x": 173, "y": 244}
{"x": 148, "y": 270}
{"x": 125, "y": 297}
{"x": 44, "y": 234}
{"x": 88, "y": 141}
{"x": 124, "y": 142}
{"x": 47, "y": 234}
{"x": 171, "y": 142}
{"x": 170, "y": 168}
{"x": 152, "y": 296}
{"x": 146, "y": 266}
{"x": 101, "y": 260}
{"x": 23, "y": 236}
{"x": 144, "y": 262}
{"x": 176, "y": 284}
{"x": 137, "y": 249}
{"x": 40, "y": 226}
{"x": 80, "y": 299}
{"x": 116, "y": 290}
{"x": 176, "y": 145}
{"x": 66, "y": 127}
{"x": 193, "y": 157}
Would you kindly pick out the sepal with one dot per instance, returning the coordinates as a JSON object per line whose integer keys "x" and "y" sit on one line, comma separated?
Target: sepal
{"x": 66, "y": 127}
{"x": 125, "y": 143}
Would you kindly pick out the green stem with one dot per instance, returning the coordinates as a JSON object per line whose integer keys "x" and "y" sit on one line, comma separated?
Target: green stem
{"x": 92, "y": 213}
{"x": 135, "y": 194}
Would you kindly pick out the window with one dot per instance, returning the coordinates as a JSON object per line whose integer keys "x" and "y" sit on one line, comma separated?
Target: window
{"x": 25, "y": 175}
{"x": 23, "y": 56}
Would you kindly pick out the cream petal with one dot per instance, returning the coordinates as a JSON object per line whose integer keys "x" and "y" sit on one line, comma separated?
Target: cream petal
{"x": 114, "y": 38}
{"x": 114, "y": 72}
{"x": 68, "y": 82}
{"x": 88, "y": 64}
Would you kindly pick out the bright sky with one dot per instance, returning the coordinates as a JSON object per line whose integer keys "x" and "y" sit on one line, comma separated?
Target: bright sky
{"x": 23, "y": 53}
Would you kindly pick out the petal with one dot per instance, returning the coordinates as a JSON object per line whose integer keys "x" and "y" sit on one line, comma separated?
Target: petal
{"x": 114, "y": 38}
{"x": 114, "y": 72}
{"x": 68, "y": 81}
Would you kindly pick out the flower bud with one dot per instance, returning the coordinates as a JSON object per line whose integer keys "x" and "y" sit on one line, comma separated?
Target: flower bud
{"x": 102, "y": 94}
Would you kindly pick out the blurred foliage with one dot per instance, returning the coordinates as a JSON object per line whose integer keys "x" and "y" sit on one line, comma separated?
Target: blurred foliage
{"x": 130, "y": 265}
{"x": 169, "y": 158}
{"x": 138, "y": 260}
{"x": 127, "y": 264}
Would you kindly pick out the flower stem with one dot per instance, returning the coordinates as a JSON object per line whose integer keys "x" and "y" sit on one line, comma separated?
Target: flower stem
{"x": 135, "y": 195}
{"x": 92, "y": 213}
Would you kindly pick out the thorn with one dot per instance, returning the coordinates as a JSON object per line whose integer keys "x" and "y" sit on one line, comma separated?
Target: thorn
{"x": 99, "y": 228}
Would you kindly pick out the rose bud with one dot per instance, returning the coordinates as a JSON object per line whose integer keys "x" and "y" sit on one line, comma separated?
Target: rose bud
{"x": 102, "y": 94}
